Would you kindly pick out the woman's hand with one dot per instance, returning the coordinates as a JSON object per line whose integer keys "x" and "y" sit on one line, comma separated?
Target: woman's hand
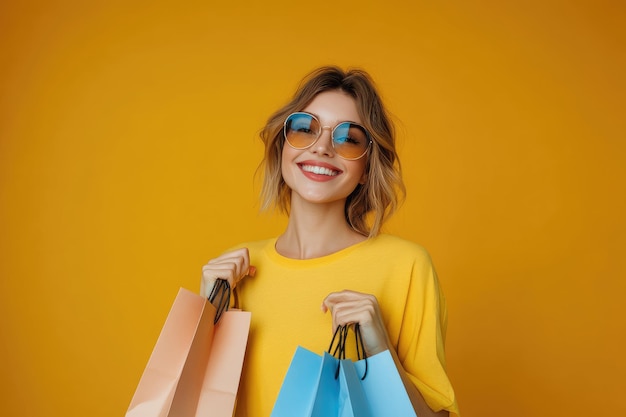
{"x": 348, "y": 307}
{"x": 231, "y": 266}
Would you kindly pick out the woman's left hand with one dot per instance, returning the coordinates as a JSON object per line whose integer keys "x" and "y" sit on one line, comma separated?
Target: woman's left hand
{"x": 348, "y": 307}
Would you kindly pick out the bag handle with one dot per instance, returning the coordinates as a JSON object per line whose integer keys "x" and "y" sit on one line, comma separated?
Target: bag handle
{"x": 340, "y": 350}
{"x": 220, "y": 292}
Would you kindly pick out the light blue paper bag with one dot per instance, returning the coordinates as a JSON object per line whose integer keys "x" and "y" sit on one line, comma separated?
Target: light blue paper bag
{"x": 309, "y": 388}
{"x": 352, "y": 401}
{"x": 384, "y": 391}
{"x": 324, "y": 386}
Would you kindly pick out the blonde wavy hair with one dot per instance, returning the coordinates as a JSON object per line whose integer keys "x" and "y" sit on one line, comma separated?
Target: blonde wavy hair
{"x": 381, "y": 194}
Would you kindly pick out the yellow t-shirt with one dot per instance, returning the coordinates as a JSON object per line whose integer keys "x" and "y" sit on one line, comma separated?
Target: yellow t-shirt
{"x": 285, "y": 298}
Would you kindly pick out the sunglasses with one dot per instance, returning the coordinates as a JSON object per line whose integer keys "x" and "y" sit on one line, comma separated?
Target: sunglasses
{"x": 350, "y": 140}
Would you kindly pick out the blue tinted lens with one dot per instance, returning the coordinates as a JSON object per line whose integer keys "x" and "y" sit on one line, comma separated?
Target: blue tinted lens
{"x": 300, "y": 122}
{"x": 301, "y": 130}
{"x": 350, "y": 140}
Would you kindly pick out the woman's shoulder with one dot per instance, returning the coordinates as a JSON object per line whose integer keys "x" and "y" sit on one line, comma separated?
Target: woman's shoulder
{"x": 398, "y": 246}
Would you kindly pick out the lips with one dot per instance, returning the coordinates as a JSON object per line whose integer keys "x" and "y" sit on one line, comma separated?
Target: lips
{"x": 315, "y": 169}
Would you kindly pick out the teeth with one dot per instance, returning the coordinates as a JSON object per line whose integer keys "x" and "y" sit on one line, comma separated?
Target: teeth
{"x": 319, "y": 170}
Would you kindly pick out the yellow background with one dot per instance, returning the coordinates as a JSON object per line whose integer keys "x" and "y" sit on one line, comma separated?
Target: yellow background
{"x": 128, "y": 146}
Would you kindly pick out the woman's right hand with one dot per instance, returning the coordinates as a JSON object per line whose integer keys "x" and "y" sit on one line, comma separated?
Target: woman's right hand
{"x": 231, "y": 266}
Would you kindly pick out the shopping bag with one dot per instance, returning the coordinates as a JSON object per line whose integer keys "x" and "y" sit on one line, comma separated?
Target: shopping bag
{"x": 321, "y": 385}
{"x": 194, "y": 362}
{"x": 330, "y": 385}
{"x": 383, "y": 387}
{"x": 223, "y": 373}
{"x": 352, "y": 401}
{"x": 309, "y": 388}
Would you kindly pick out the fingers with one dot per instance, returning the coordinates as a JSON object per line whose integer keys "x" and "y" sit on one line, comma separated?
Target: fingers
{"x": 231, "y": 266}
{"x": 363, "y": 313}
{"x": 349, "y": 307}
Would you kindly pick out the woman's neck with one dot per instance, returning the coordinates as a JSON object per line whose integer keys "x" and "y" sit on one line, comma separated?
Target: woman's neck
{"x": 316, "y": 230}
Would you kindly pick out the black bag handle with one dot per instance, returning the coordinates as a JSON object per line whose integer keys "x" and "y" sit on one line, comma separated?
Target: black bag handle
{"x": 220, "y": 297}
{"x": 361, "y": 354}
{"x": 340, "y": 350}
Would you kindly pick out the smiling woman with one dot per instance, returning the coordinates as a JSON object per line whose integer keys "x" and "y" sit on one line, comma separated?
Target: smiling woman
{"x": 127, "y": 152}
{"x": 330, "y": 161}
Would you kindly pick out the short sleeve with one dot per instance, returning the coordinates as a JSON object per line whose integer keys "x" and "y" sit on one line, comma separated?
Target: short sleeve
{"x": 421, "y": 343}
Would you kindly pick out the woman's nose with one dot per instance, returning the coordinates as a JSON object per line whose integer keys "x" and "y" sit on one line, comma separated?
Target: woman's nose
{"x": 324, "y": 144}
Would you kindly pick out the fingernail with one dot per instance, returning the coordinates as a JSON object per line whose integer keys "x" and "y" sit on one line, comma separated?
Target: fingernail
{"x": 251, "y": 271}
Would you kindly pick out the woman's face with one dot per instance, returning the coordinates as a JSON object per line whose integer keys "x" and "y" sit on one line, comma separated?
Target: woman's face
{"x": 317, "y": 174}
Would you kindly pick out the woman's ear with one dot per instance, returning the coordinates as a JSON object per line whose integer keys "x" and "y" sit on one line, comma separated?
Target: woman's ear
{"x": 363, "y": 179}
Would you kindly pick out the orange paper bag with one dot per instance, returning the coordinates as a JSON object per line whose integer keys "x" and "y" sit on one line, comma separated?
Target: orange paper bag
{"x": 195, "y": 365}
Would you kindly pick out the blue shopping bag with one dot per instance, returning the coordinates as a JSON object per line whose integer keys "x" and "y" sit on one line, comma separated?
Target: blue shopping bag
{"x": 321, "y": 385}
{"x": 383, "y": 387}
{"x": 310, "y": 388}
{"x": 328, "y": 386}
{"x": 352, "y": 401}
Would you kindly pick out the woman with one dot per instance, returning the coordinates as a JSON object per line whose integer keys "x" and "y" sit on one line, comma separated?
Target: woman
{"x": 331, "y": 164}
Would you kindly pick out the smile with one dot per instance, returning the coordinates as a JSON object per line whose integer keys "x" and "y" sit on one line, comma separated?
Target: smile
{"x": 314, "y": 169}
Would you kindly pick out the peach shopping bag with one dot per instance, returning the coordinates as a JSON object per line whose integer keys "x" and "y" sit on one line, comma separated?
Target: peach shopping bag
{"x": 195, "y": 366}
